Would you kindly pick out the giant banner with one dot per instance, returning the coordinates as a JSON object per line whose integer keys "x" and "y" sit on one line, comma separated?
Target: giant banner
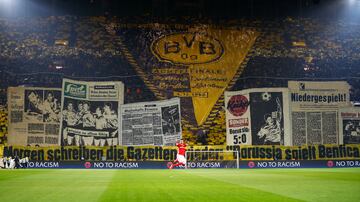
{"x": 349, "y": 125}
{"x": 314, "y": 111}
{"x": 198, "y": 153}
{"x": 151, "y": 123}
{"x": 257, "y": 117}
{"x": 90, "y": 113}
{"x": 34, "y": 116}
{"x": 195, "y": 63}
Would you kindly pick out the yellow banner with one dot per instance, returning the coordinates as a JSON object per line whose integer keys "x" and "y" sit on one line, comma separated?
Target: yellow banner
{"x": 213, "y": 78}
{"x": 158, "y": 153}
{"x": 195, "y": 64}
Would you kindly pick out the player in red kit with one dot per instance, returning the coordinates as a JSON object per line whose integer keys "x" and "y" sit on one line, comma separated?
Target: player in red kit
{"x": 180, "y": 157}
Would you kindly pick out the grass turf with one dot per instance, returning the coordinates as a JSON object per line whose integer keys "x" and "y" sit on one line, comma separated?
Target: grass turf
{"x": 181, "y": 185}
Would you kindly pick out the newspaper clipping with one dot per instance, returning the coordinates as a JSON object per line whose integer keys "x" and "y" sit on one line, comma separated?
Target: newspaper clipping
{"x": 90, "y": 112}
{"x": 34, "y": 116}
{"x": 151, "y": 123}
{"x": 349, "y": 124}
{"x": 257, "y": 117}
{"x": 314, "y": 111}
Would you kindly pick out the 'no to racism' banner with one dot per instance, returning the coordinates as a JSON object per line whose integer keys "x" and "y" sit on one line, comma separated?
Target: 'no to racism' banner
{"x": 195, "y": 64}
{"x": 314, "y": 111}
{"x": 90, "y": 112}
{"x": 257, "y": 116}
{"x": 151, "y": 123}
{"x": 34, "y": 116}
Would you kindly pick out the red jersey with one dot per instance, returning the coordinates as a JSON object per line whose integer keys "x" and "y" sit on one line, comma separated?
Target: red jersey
{"x": 181, "y": 148}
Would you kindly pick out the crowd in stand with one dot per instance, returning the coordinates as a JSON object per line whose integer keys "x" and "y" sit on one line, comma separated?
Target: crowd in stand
{"x": 41, "y": 51}
{"x": 3, "y": 124}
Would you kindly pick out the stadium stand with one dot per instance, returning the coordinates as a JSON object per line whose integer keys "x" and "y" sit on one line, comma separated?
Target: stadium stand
{"x": 3, "y": 125}
{"x": 41, "y": 51}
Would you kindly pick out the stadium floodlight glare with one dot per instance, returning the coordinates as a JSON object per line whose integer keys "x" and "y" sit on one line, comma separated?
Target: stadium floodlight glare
{"x": 212, "y": 159}
{"x": 352, "y": 2}
{"x": 5, "y": 1}
{"x": 7, "y": 7}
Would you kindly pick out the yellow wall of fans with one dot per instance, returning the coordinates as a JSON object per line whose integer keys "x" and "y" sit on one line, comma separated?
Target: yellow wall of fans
{"x": 3, "y": 125}
{"x": 3, "y": 128}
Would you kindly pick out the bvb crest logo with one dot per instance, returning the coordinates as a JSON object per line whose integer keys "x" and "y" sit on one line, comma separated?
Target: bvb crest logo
{"x": 197, "y": 65}
{"x": 187, "y": 48}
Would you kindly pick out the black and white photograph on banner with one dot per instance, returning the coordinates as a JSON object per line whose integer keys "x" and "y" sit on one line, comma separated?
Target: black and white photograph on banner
{"x": 42, "y": 105}
{"x": 35, "y": 115}
{"x": 170, "y": 120}
{"x": 90, "y": 114}
{"x": 151, "y": 123}
{"x": 33, "y": 105}
{"x": 351, "y": 131}
{"x": 90, "y": 122}
{"x": 267, "y": 118}
{"x": 314, "y": 112}
{"x": 51, "y": 106}
{"x": 349, "y": 125}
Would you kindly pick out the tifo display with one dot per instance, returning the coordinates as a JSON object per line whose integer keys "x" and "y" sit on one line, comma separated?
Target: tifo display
{"x": 191, "y": 72}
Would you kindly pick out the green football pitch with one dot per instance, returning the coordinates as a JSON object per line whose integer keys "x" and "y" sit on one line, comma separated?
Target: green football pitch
{"x": 342, "y": 184}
